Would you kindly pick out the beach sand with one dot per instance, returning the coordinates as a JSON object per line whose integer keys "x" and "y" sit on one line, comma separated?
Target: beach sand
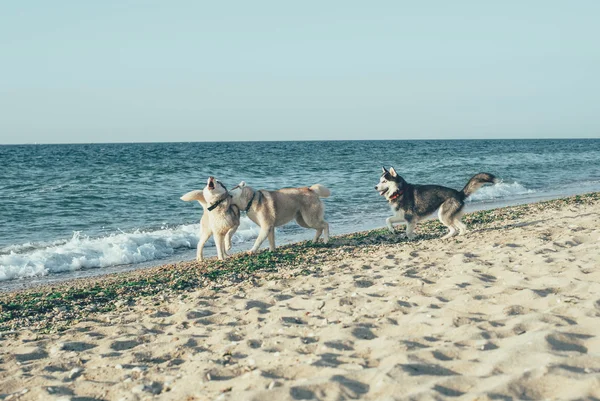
{"x": 509, "y": 311}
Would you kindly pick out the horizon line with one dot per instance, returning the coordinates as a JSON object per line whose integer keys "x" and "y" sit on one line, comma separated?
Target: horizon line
{"x": 298, "y": 140}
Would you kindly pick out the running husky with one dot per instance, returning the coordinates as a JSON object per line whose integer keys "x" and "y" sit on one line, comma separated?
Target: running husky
{"x": 221, "y": 217}
{"x": 270, "y": 209}
{"x": 411, "y": 203}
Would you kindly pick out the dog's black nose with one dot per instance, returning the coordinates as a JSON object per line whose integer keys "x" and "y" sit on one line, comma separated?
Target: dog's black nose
{"x": 375, "y": 186}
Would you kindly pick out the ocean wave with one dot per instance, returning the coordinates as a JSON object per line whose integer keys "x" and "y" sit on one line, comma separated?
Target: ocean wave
{"x": 82, "y": 252}
{"x": 500, "y": 190}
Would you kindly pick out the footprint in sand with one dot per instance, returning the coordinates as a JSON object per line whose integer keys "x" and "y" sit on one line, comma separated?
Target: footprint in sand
{"x": 262, "y": 307}
{"x": 31, "y": 355}
{"x": 363, "y": 333}
{"x": 340, "y": 345}
{"x": 192, "y": 315}
{"x": 78, "y": 346}
{"x": 567, "y": 342}
{"x": 123, "y": 345}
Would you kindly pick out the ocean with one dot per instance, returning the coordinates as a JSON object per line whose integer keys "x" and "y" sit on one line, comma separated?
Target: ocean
{"x": 78, "y": 210}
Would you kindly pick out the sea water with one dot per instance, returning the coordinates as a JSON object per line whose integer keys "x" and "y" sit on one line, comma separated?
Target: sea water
{"x": 73, "y": 210}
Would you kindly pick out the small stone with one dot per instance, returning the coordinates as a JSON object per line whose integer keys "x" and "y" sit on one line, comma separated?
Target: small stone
{"x": 74, "y": 373}
{"x": 138, "y": 389}
{"x": 119, "y": 366}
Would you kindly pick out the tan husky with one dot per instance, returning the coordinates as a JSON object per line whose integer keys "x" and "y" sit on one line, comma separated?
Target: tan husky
{"x": 270, "y": 209}
{"x": 221, "y": 217}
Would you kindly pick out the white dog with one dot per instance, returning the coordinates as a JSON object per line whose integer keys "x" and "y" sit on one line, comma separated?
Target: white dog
{"x": 221, "y": 217}
{"x": 270, "y": 209}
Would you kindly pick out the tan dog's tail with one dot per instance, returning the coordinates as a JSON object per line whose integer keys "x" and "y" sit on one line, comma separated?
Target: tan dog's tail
{"x": 321, "y": 190}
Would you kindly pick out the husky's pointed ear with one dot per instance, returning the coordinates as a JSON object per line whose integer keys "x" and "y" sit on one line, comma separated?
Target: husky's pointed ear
{"x": 242, "y": 184}
{"x": 383, "y": 170}
{"x": 393, "y": 172}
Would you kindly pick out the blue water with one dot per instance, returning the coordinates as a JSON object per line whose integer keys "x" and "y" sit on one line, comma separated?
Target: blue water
{"x": 109, "y": 207}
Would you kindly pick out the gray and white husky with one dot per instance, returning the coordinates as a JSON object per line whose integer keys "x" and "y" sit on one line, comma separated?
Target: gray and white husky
{"x": 411, "y": 202}
{"x": 270, "y": 209}
{"x": 221, "y": 217}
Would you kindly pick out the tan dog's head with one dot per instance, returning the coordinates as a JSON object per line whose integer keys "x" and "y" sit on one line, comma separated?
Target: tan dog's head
{"x": 241, "y": 195}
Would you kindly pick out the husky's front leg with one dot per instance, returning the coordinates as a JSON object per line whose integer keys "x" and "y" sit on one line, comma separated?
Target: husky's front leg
{"x": 393, "y": 219}
{"x": 411, "y": 224}
{"x": 205, "y": 234}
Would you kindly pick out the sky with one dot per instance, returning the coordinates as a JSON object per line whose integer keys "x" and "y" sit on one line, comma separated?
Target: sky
{"x": 164, "y": 71}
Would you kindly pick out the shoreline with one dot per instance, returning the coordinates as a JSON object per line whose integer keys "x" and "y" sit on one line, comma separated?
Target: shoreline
{"x": 54, "y": 279}
{"x": 508, "y": 311}
{"x": 25, "y": 305}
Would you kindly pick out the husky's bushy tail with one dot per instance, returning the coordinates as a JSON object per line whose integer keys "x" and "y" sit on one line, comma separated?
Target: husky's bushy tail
{"x": 476, "y": 182}
{"x": 321, "y": 190}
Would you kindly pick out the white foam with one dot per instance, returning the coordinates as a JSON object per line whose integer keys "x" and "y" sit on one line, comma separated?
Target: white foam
{"x": 499, "y": 191}
{"x": 79, "y": 252}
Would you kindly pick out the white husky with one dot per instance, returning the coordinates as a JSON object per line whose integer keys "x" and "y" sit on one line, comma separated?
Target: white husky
{"x": 221, "y": 217}
{"x": 270, "y": 209}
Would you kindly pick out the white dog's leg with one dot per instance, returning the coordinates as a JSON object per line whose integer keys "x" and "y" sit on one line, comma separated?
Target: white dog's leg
{"x": 204, "y": 236}
{"x": 262, "y": 236}
{"x": 220, "y": 244}
{"x": 228, "y": 238}
{"x": 393, "y": 219}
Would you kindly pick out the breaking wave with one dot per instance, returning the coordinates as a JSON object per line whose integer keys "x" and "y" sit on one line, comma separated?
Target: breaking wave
{"x": 82, "y": 252}
{"x": 500, "y": 190}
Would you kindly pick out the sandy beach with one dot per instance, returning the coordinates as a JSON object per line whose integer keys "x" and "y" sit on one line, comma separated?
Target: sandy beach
{"x": 510, "y": 311}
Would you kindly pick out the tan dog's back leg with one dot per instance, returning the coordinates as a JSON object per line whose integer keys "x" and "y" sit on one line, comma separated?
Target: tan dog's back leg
{"x": 308, "y": 220}
{"x": 262, "y": 236}
{"x": 271, "y": 237}
{"x": 325, "y": 232}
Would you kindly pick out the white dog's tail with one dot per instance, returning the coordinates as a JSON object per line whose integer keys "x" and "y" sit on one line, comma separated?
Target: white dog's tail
{"x": 194, "y": 195}
{"x": 321, "y": 190}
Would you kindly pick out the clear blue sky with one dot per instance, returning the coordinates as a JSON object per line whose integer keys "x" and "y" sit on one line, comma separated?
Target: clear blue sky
{"x": 142, "y": 71}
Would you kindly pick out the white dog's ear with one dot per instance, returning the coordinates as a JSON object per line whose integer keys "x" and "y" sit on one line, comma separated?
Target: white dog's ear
{"x": 393, "y": 172}
{"x": 383, "y": 170}
{"x": 242, "y": 184}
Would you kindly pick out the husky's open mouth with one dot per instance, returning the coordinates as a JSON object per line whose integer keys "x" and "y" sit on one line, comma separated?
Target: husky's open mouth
{"x": 383, "y": 192}
{"x": 211, "y": 183}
